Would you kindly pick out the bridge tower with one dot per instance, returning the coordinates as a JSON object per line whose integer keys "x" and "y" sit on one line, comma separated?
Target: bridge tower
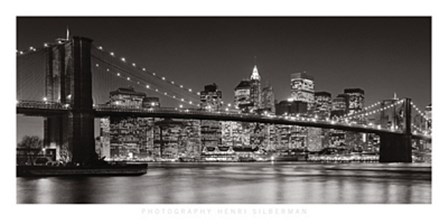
{"x": 69, "y": 81}
{"x": 397, "y": 147}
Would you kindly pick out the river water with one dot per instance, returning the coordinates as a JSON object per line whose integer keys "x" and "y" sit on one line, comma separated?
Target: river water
{"x": 278, "y": 182}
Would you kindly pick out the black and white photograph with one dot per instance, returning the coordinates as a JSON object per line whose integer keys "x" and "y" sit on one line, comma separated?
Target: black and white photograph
{"x": 193, "y": 115}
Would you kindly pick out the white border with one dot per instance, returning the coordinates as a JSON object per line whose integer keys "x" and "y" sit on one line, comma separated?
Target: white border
{"x": 133, "y": 213}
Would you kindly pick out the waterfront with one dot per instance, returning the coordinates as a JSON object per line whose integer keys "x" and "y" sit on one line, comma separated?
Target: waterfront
{"x": 277, "y": 182}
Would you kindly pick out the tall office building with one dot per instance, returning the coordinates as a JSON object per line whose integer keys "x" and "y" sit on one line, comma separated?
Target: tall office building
{"x": 211, "y": 98}
{"x": 302, "y": 88}
{"x": 355, "y": 99}
{"x": 322, "y": 105}
{"x": 268, "y": 99}
{"x": 243, "y": 96}
{"x": 255, "y": 93}
{"x": 339, "y": 105}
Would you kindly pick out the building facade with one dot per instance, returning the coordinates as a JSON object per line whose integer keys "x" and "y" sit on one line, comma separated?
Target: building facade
{"x": 243, "y": 96}
{"x": 302, "y": 88}
{"x": 211, "y": 98}
{"x": 355, "y": 99}
{"x": 322, "y": 105}
{"x": 268, "y": 100}
{"x": 255, "y": 91}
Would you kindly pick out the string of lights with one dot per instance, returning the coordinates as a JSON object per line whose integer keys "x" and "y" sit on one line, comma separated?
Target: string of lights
{"x": 33, "y": 49}
{"x": 365, "y": 114}
{"x": 142, "y": 79}
{"x": 145, "y": 85}
{"x": 362, "y": 111}
{"x": 152, "y": 73}
{"x": 418, "y": 129}
{"x": 420, "y": 112}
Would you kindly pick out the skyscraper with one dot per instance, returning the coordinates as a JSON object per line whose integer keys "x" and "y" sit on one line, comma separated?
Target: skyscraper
{"x": 255, "y": 93}
{"x": 211, "y": 98}
{"x": 339, "y": 105}
{"x": 268, "y": 99}
{"x": 243, "y": 96}
{"x": 355, "y": 99}
{"x": 322, "y": 104}
{"x": 302, "y": 88}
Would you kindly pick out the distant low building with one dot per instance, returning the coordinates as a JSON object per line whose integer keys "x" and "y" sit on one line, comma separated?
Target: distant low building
{"x": 211, "y": 98}
{"x": 291, "y": 107}
{"x": 126, "y": 97}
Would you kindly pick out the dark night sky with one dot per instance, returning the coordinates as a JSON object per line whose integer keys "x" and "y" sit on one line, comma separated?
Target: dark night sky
{"x": 379, "y": 55}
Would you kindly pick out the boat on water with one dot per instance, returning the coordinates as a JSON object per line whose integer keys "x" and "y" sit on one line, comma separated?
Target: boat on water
{"x": 99, "y": 170}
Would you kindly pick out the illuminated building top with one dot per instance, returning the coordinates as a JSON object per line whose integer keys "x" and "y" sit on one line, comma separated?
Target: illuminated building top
{"x": 255, "y": 75}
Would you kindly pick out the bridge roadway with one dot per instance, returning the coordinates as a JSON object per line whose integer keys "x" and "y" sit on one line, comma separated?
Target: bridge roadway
{"x": 45, "y": 109}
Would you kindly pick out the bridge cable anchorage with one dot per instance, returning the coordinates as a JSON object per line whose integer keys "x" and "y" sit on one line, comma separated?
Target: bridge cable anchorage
{"x": 153, "y": 74}
{"x": 145, "y": 85}
{"x": 118, "y": 67}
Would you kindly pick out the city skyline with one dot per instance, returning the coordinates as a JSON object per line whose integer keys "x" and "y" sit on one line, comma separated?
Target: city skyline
{"x": 392, "y": 50}
{"x": 379, "y": 37}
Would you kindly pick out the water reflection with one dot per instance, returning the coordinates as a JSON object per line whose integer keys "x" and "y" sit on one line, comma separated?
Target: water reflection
{"x": 240, "y": 183}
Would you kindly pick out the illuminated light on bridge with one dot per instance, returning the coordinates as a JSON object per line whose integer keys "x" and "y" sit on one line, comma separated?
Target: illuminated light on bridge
{"x": 182, "y": 100}
{"x": 165, "y": 93}
{"x": 157, "y": 90}
{"x": 133, "y": 64}
{"x": 128, "y": 78}
{"x": 144, "y": 69}
{"x": 100, "y": 48}
{"x": 174, "y": 97}
{"x": 45, "y": 99}
{"x": 118, "y": 74}
{"x": 97, "y": 65}
{"x": 112, "y": 54}
{"x": 123, "y": 59}
{"x": 190, "y": 102}
{"x": 189, "y": 90}
{"x": 46, "y": 45}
